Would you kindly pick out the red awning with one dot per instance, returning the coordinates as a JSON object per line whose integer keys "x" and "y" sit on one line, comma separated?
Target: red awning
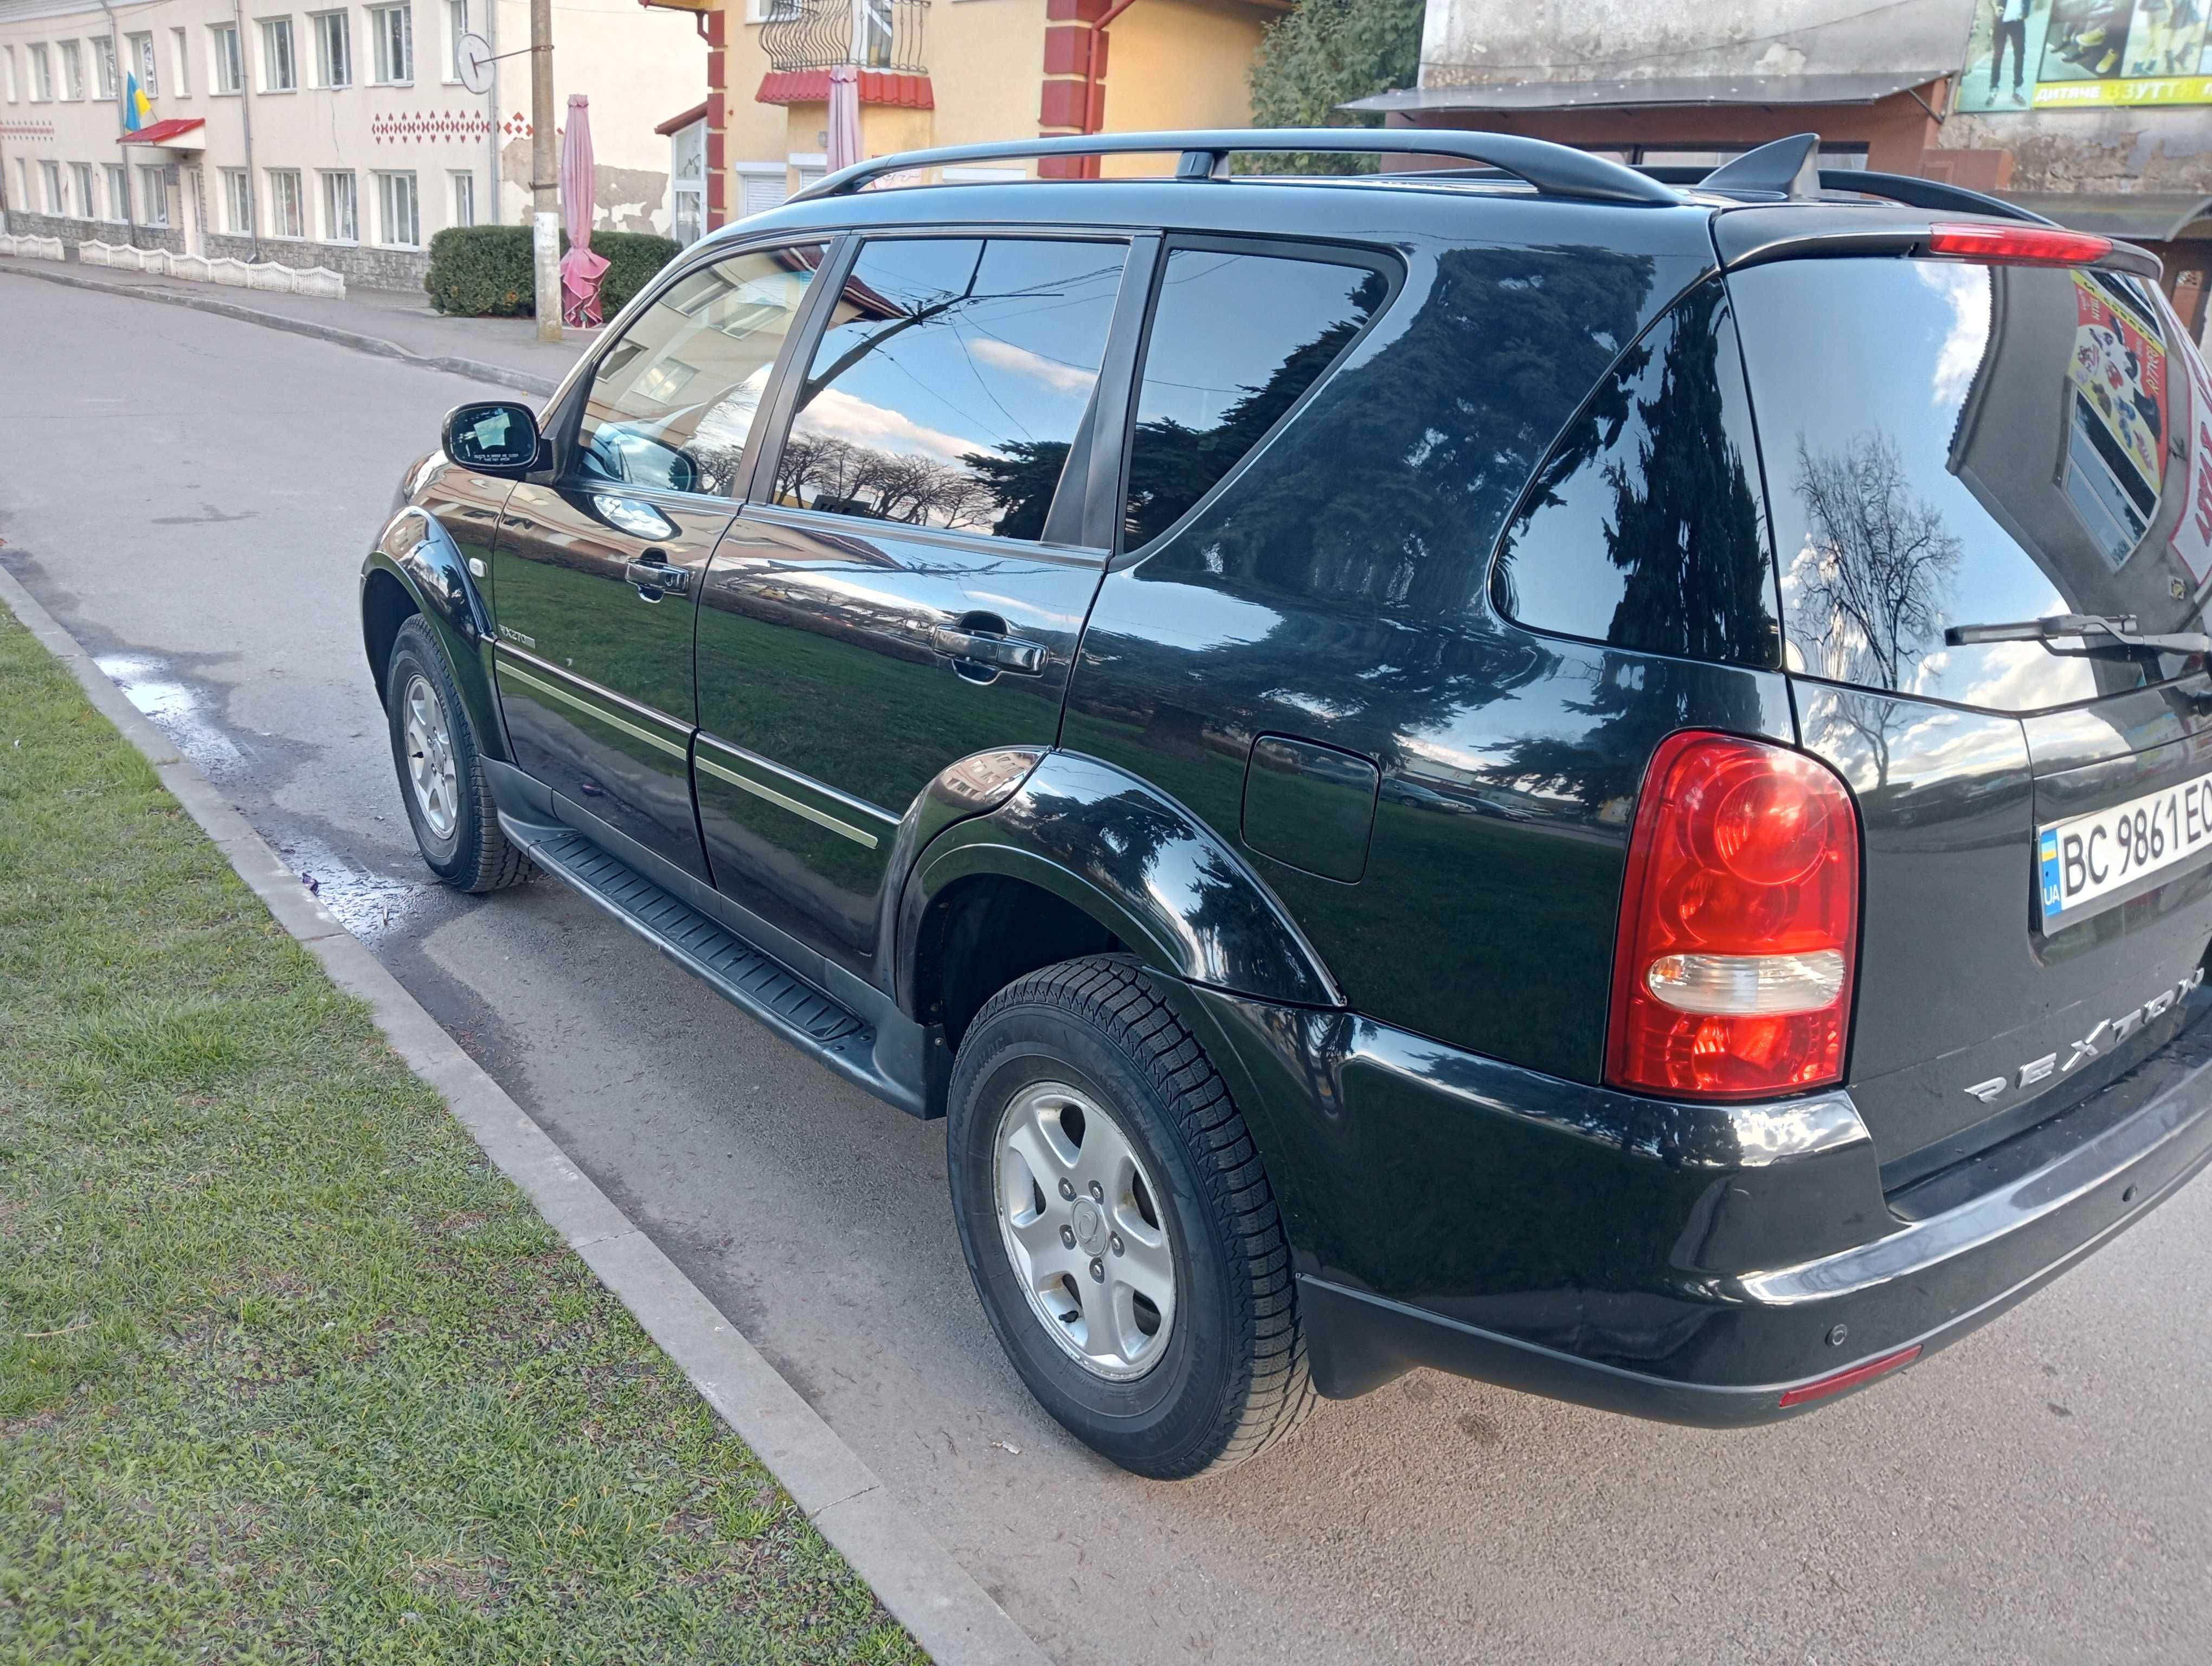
{"x": 163, "y": 132}
{"x": 676, "y": 125}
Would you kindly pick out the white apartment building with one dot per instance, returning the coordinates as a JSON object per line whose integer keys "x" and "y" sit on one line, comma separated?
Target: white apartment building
{"x": 318, "y": 133}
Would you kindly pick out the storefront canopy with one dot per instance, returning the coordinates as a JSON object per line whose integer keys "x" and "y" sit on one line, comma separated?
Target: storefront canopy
{"x": 179, "y": 133}
{"x": 2138, "y": 217}
{"x": 1657, "y": 91}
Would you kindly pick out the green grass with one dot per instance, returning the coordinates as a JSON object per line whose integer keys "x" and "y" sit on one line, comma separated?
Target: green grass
{"x": 287, "y": 1372}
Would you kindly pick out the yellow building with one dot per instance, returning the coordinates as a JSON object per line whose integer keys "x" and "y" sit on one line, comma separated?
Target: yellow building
{"x": 945, "y": 72}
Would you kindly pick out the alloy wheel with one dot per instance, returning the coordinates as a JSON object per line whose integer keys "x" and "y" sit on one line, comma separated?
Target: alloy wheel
{"x": 1081, "y": 1222}
{"x": 430, "y": 770}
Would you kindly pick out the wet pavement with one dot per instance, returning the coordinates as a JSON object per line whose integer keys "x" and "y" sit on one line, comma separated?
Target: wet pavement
{"x": 191, "y": 496}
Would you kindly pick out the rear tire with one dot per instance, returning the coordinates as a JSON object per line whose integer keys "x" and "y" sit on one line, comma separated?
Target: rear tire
{"x": 441, "y": 778}
{"x": 1080, "y": 1074}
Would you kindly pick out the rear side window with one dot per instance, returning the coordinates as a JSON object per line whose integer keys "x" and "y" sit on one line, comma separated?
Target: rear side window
{"x": 1950, "y": 444}
{"x": 1236, "y": 339}
{"x": 1643, "y": 529}
{"x": 951, "y": 381}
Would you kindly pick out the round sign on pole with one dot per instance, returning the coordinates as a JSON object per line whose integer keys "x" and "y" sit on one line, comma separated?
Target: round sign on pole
{"x": 472, "y": 57}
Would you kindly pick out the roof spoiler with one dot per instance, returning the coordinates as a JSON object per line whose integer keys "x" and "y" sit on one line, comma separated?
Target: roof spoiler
{"x": 1786, "y": 170}
{"x": 1554, "y": 170}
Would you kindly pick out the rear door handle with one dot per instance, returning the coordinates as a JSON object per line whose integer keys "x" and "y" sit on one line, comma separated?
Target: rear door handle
{"x": 657, "y": 577}
{"x": 1024, "y": 659}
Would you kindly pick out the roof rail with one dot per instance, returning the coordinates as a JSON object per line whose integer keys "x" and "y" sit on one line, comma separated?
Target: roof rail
{"x": 1553, "y": 169}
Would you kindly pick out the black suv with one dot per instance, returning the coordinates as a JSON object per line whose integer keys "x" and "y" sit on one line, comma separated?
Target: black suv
{"x": 1597, "y": 780}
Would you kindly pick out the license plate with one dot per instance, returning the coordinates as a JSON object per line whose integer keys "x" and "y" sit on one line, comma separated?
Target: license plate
{"x": 2085, "y": 860}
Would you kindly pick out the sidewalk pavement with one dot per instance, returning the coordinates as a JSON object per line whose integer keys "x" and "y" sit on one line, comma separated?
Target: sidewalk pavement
{"x": 390, "y": 323}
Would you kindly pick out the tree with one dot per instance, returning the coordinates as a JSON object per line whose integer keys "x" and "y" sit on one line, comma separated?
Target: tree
{"x": 1325, "y": 53}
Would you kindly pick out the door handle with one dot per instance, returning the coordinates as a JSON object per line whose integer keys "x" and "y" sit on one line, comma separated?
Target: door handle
{"x": 1024, "y": 659}
{"x": 658, "y": 577}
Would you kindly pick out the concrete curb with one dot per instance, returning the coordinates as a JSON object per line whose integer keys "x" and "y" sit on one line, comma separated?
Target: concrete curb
{"x": 925, "y": 1589}
{"x": 499, "y": 375}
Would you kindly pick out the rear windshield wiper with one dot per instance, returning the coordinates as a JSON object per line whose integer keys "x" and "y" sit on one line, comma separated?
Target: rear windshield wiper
{"x": 2096, "y": 629}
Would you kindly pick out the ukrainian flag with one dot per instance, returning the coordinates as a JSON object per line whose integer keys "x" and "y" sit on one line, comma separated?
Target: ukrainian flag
{"x": 135, "y": 105}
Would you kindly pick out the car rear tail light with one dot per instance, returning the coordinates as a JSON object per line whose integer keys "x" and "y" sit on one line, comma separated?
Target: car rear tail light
{"x": 1739, "y": 923}
{"x": 2019, "y": 246}
{"x": 1821, "y": 1388}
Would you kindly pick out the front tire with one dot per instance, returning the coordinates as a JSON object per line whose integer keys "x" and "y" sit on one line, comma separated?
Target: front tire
{"x": 1119, "y": 1226}
{"x": 441, "y": 776}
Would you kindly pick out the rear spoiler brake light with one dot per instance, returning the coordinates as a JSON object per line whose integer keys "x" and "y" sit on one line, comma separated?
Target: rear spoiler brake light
{"x": 2019, "y": 246}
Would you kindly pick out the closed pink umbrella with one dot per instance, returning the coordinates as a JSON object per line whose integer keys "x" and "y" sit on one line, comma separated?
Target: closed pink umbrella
{"x": 580, "y": 270}
{"x": 844, "y": 117}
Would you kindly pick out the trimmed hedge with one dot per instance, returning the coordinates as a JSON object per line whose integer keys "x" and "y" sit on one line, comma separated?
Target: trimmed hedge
{"x": 485, "y": 271}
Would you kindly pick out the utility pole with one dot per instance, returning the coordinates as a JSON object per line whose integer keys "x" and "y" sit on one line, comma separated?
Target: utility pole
{"x": 545, "y": 173}
{"x": 122, "y": 122}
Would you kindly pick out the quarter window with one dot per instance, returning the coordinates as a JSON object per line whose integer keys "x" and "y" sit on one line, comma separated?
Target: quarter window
{"x": 1236, "y": 340}
{"x": 672, "y": 402}
{"x": 1642, "y": 528}
{"x": 952, "y": 381}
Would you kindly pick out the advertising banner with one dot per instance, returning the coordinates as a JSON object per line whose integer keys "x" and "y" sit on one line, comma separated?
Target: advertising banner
{"x": 2086, "y": 54}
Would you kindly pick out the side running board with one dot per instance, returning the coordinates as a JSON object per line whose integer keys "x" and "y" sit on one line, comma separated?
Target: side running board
{"x": 746, "y": 977}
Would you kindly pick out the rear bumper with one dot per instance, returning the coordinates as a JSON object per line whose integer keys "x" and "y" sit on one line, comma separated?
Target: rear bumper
{"x": 1450, "y": 1212}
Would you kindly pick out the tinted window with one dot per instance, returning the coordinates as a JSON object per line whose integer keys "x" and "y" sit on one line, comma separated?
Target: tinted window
{"x": 951, "y": 381}
{"x": 1952, "y": 444}
{"x": 1643, "y": 529}
{"x": 672, "y": 401}
{"x": 1235, "y": 338}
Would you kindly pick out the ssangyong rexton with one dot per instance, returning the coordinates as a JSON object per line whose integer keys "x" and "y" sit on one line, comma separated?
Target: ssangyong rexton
{"x": 1601, "y": 783}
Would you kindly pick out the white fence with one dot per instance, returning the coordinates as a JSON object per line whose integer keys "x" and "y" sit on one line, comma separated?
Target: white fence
{"x": 201, "y": 269}
{"x": 32, "y": 248}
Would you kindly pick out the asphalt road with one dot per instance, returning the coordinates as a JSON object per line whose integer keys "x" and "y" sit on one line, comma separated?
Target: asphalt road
{"x": 192, "y": 495}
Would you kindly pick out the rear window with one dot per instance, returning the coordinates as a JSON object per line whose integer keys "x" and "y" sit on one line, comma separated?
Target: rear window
{"x": 1949, "y": 444}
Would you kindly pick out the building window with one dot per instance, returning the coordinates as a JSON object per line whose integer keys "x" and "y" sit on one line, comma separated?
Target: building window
{"x": 393, "y": 30}
{"x": 88, "y": 201}
{"x": 238, "y": 201}
{"x": 341, "y": 213}
{"x": 8, "y": 71}
{"x": 23, "y": 184}
{"x": 457, "y": 25}
{"x": 103, "y": 67}
{"x": 49, "y": 175}
{"x": 153, "y": 196}
{"x": 687, "y": 183}
{"x": 279, "y": 73}
{"x": 288, "y": 203}
{"x": 228, "y": 66}
{"x": 142, "y": 60}
{"x": 118, "y": 191}
{"x": 464, "y": 198}
{"x": 72, "y": 70}
{"x": 402, "y": 211}
{"x": 180, "y": 61}
{"x": 333, "y": 50}
{"x": 42, "y": 74}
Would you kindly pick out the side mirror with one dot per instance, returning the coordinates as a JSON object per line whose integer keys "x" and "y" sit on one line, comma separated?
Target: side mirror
{"x": 497, "y": 437}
